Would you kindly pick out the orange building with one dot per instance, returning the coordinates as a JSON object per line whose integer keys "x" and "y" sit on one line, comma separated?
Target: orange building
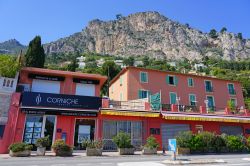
{"x": 176, "y": 88}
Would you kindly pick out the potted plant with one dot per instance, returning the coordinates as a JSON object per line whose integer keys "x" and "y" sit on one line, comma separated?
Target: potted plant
{"x": 183, "y": 142}
{"x": 123, "y": 142}
{"x": 61, "y": 148}
{"x": 41, "y": 144}
{"x": 93, "y": 148}
{"x": 151, "y": 146}
{"x": 20, "y": 149}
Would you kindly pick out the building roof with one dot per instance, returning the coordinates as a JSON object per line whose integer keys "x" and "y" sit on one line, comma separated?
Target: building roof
{"x": 166, "y": 72}
{"x": 50, "y": 72}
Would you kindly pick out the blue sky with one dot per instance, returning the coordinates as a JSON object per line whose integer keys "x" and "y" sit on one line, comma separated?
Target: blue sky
{"x": 54, "y": 19}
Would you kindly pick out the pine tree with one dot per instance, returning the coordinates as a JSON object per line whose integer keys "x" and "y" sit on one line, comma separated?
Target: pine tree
{"x": 35, "y": 56}
{"x": 213, "y": 33}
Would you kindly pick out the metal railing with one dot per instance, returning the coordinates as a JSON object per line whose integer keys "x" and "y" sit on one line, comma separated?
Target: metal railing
{"x": 129, "y": 105}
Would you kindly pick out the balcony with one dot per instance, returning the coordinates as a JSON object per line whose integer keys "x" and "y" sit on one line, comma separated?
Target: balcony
{"x": 8, "y": 85}
{"x": 142, "y": 105}
{"x": 232, "y": 92}
{"x": 209, "y": 89}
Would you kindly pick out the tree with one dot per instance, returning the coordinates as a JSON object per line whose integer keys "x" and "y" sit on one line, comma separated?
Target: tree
{"x": 145, "y": 61}
{"x": 118, "y": 16}
{"x": 110, "y": 69}
{"x": 240, "y": 36}
{"x": 213, "y": 33}
{"x": 8, "y": 66}
{"x": 224, "y": 29}
{"x": 73, "y": 65}
{"x": 35, "y": 56}
{"x": 129, "y": 61}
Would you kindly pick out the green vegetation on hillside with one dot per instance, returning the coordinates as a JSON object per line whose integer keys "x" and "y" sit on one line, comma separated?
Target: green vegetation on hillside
{"x": 8, "y": 66}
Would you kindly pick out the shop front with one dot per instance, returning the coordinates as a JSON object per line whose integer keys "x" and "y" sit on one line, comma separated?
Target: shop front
{"x": 58, "y": 116}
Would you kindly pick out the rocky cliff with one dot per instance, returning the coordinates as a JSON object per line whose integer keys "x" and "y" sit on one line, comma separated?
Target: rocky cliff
{"x": 149, "y": 33}
{"x": 11, "y": 46}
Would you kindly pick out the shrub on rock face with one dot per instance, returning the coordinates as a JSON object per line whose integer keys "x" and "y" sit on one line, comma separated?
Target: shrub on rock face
{"x": 20, "y": 147}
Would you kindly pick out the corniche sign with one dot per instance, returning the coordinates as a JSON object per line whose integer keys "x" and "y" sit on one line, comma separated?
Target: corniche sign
{"x": 36, "y": 99}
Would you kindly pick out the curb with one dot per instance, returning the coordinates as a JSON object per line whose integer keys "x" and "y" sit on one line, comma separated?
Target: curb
{"x": 178, "y": 162}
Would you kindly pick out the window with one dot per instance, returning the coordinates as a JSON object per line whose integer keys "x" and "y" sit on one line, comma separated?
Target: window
{"x": 155, "y": 131}
{"x": 210, "y": 103}
{"x": 231, "y": 89}
{"x": 234, "y": 102}
{"x": 208, "y": 86}
{"x": 143, "y": 94}
{"x": 192, "y": 99}
{"x": 121, "y": 97}
{"x": 1, "y": 130}
{"x": 172, "y": 97}
{"x": 46, "y": 86}
{"x": 144, "y": 77}
{"x": 112, "y": 89}
{"x": 85, "y": 89}
{"x": 121, "y": 80}
{"x": 172, "y": 80}
{"x": 190, "y": 82}
{"x": 199, "y": 128}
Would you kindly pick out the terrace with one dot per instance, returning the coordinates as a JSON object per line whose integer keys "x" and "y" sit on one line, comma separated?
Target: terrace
{"x": 142, "y": 105}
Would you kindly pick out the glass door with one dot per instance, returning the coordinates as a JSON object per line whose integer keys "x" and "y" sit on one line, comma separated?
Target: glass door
{"x": 49, "y": 127}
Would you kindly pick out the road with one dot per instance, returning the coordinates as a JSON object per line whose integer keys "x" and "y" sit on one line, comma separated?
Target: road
{"x": 135, "y": 160}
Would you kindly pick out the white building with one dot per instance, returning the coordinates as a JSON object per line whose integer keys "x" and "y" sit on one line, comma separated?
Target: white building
{"x": 81, "y": 62}
{"x": 199, "y": 66}
{"x": 138, "y": 63}
{"x": 100, "y": 62}
{"x": 120, "y": 63}
{"x": 7, "y": 87}
{"x": 172, "y": 64}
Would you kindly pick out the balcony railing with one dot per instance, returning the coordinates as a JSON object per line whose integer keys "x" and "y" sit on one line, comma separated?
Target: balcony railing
{"x": 128, "y": 105}
{"x": 209, "y": 89}
{"x": 232, "y": 92}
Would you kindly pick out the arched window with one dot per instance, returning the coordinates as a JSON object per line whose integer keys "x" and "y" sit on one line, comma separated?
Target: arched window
{"x": 8, "y": 83}
{"x": 11, "y": 84}
{"x": 4, "y": 82}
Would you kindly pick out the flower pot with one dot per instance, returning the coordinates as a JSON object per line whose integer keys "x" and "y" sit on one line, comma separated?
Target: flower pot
{"x": 40, "y": 151}
{"x": 183, "y": 151}
{"x": 25, "y": 153}
{"x": 63, "y": 153}
{"x": 126, "y": 151}
{"x": 93, "y": 152}
{"x": 149, "y": 151}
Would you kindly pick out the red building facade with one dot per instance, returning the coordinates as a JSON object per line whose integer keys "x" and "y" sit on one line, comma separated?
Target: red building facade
{"x": 66, "y": 105}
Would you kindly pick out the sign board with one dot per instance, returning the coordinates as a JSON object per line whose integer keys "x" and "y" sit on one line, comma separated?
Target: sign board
{"x": 46, "y": 77}
{"x": 172, "y": 146}
{"x": 85, "y": 81}
{"x": 36, "y": 99}
{"x": 58, "y": 112}
{"x": 83, "y": 133}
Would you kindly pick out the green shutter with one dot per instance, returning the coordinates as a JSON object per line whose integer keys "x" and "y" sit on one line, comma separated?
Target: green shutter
{"x": 167, "y": 79}
{"x": 139, "y": 94}
{"x": 175, "y": 80}
{"x": 172, "y": 98}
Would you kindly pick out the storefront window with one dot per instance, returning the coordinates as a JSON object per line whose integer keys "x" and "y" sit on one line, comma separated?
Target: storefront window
{"x": 33, "y": 129}
{"x": 111, "y": 128}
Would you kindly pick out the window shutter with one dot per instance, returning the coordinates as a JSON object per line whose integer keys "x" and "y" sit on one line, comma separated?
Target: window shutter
{"x": 167, "y": 79}
{"x": 175, "y": 80}
{"x": 139, "y": 94}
